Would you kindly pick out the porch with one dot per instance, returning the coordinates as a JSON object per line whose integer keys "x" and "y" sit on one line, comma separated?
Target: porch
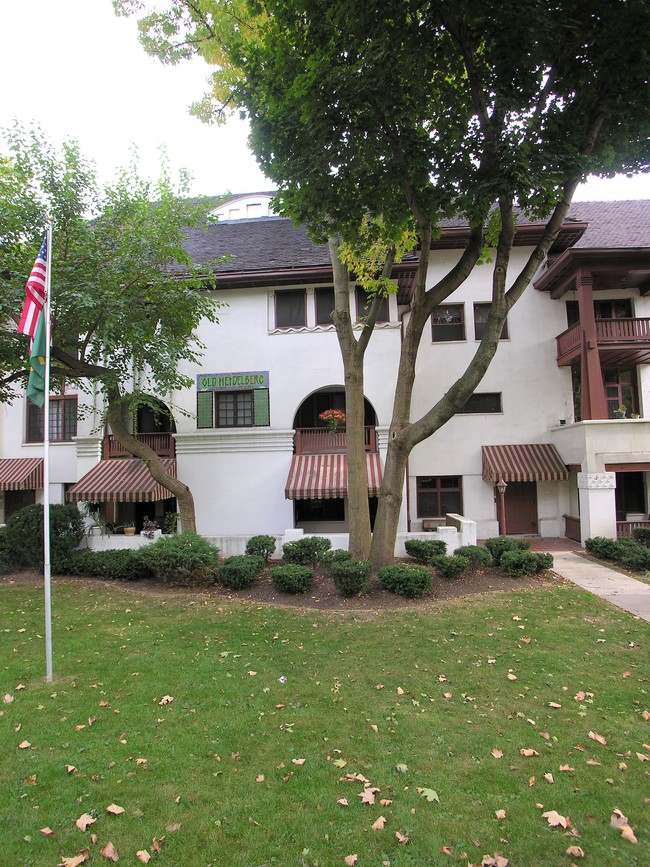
{"x": 319, "y": 441}
{"x": 621, "y": 342}
{"x": 163, "y": 445}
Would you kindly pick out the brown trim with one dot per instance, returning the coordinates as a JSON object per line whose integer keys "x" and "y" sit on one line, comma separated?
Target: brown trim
{"x": 639, "y": 467}
{"x": 574, "y": 468}
{"x": 560, "y": 277}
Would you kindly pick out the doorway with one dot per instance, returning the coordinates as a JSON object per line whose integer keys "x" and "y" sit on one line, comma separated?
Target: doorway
{"x": 521, "y": 508}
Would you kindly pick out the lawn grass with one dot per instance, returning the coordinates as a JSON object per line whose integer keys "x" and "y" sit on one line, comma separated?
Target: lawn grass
{"x": 224, "y": 781}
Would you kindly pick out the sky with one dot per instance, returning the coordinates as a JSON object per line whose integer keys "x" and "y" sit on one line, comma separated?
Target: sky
{"x": 78, "y": 71}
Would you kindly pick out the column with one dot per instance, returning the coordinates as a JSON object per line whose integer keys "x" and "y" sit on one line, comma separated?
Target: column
{"x": 593, "y": 399}
{"x": 597, "y": 494}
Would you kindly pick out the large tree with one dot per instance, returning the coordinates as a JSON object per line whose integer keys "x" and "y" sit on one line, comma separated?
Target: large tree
{"x": 411, "y": 111}
{"x": 126, "y": 297}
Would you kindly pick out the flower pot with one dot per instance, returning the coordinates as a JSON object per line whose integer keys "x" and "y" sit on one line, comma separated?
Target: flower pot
{"x": 129, "y": 531}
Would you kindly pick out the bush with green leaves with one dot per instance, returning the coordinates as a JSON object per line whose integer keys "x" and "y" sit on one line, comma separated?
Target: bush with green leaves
{"x": 7, "y": 561}
{"x": 478, "y": 557}
{"x": 24, "y": 536}
{"x": 240, "y": 571}
{"x": 498, "y": 545}
{"x": 633, "y": 555}
{"x": 292, "y": 578}
{"x": 351, "y": 577}
{"x": 406, "y": 579}
{"x": 184, "y": 560}
{"x": 642, "y": 536}
{"x": 116, "y": 565}
{"x": 261, "y": 546}
{"x": 452, "y": 567}
{"x": 336, "y": 556}
{"x": 425, "y": 551}
{"x": 518, "y": 562}
{"x": 602, "y": 548}
{"x": 308, "y": 551}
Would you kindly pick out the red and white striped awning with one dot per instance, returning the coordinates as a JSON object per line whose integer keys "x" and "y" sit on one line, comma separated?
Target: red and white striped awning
{"x": 21, "y": 474}
{"x": 121, "y": 480}
{"x": 531, "y": 462}
{"x": 325, "y": 477}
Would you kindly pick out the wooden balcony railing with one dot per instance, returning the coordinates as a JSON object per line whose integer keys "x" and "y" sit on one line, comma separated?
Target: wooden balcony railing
{"x": 572, "y": 528}
{"x": 319, "y": 440}
{"x": 162, "y": 443}
{"x": 625, "y": 529}
{"x": 609, "y": 333}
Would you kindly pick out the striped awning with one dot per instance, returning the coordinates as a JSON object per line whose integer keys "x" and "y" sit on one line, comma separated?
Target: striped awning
{"x": 21, "y": 474}
{"x": 530, "y": 462}
{"x": 121, "y": 480}
{"x": 325, "y": 477}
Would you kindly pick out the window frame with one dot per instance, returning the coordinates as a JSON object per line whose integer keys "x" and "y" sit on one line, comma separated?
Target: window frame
{"x": 285, "y": 293}
{"x": 361, "y": 301}
{"x": 437, "y": 491}
{"x": 65, "y": 406}
{"x": 460, "y": 325}
{"x": 476, "y": 397}
{"x": 321, "y": 290}
{"x": 478, "y": 332}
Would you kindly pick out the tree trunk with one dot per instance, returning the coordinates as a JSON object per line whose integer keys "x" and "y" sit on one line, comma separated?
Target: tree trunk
{"x": 184, "y": 498}
{"x": 390, "y": 502}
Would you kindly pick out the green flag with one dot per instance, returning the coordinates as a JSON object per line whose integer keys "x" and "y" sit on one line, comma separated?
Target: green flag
{"x": 36, "y": 384}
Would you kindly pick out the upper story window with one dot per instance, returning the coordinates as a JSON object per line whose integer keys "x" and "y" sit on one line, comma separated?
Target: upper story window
{"x": 226, "y": 401}
{"x": 290, "y": 309}
{"x": 63, "y": 420}
{"x": 482, "y": 401}
{"x": 364, "y": 303}
{"x": 481, "y": 313}
{"x": 448, "y": 323}
{"x": 618, "y": 309}
{"x": 324, "y": 304}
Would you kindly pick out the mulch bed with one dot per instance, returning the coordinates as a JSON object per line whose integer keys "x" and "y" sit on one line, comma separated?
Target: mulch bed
{"x": 324, "y": 595}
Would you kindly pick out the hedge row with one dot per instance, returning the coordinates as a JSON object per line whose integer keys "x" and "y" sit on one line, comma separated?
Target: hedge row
{"x": 630, "y": 553}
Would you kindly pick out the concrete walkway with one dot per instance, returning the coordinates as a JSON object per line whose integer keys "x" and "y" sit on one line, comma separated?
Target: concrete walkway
{"x": 624, "y": 592}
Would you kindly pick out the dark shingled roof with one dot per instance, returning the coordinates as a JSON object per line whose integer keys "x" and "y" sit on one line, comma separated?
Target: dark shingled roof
{"x": 267, "y": 245}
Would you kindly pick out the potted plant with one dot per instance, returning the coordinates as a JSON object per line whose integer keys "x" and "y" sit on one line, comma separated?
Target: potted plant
{"x": 333, "y": 418}
{"x": 129, "y": 529}
{"x": 620, "y": 411}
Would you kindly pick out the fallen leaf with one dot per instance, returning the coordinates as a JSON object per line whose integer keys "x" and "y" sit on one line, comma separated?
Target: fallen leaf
{"x": 79, "y": 728}
{"x": 554, "y": 704}
{"x": 70, "y": 769}
{"x": 645, "y": 714}
{"x": 531, "y": 781}
{"x": 7, "y": 698}
{"x": 400, "y": 691}
{"x": 351, "y": 860}
{"x": 24, "y": 745}
{"x": 498, "y": 754}
{"x": 385, "y": 802}
{"x": 447, "y": 850}
{"x": 84, "y": 821}
{"x": 401, "y": 838}
{"x": 580, "y": 696}
{"x": 166, "y": 699}
{"x": 528, "y": 753}
{"x": 20, "y": 686}
{"x": 143, "y": 855}
{"x": 374, "y": 728}
{"x": 628, "y": 834}
{"x": 109, "y": 851}
{"x": 429, "y": 795}
{"x": 591, "y": 762}
{"x": 47, "y": 831}
{"x": 339, "y": 763}
{"x": 379, "y": 686}
{"x": 511, "y": 676}
{"x": 343, "y": 802}
{"x": 298, "y": 761}
{"x": 575, "y": 852}
{"x": 500, "y": 814}
{"x": 642, "y": 757}
{"x": 367, "y": 796}
{"x": 549, "y": 778}
{"x": 259, "y": 778}
{"x": 553, "y": 818}
{"x": 378, "y": 825}
{"x": 401, "y": 769}
{"x": 596, "y": 737}
{"x": 115, "y": 810}
{"x": 447, "y": 695}
{"x": 81, "y": 858}
{"x": 252, "y": 673}
{"x": 141, "y": 762}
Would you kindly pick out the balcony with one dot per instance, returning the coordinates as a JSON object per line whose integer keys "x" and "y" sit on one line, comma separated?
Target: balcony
{"x": 621, "y": 342}
{"x": 162, "y": 443}
{"x": 319, "y": 440}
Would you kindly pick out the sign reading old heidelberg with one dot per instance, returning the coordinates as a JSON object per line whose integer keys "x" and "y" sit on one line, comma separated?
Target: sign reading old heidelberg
{"x": 226, "y": 381}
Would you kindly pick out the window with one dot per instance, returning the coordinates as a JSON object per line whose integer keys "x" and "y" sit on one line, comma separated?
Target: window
{"x": 63, "y": 420}
{"x": 319, "y": 510}
{"x": 485, "y": 401}
{"x": 290, "y": 311}
{"x": 363, "y": 305}
{"x": 481, "y": 313}
{"x": 232, "y": 408}
{"x": 437, "y": 495}
{"x": 324, "y": 305}
{"x": 448, "y": 323}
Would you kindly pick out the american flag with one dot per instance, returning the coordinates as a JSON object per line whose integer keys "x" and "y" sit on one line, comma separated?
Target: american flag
{"x": 34, "y": 294}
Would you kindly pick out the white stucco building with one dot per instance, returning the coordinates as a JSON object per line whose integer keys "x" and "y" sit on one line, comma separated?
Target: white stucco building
{"x": 248, "y": 441}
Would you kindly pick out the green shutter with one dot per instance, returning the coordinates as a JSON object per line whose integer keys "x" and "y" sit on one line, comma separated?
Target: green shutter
{"x": 261, "y": 407}
{"x": 204, "y": 404}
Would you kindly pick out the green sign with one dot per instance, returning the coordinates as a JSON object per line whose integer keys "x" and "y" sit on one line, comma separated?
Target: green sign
{"x": 230, "y": 381}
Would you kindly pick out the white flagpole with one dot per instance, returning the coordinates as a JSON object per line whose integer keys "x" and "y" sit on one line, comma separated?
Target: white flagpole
{"x": 46, "y": 464}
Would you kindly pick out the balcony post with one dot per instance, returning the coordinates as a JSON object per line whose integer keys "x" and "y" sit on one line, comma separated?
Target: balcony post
{"x": 593, "y": 399}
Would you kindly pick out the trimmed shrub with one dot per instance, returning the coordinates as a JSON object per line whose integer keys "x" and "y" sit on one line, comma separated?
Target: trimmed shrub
{"x": 308, "y": 551}
{"x": 184, "y": 559}
{"x": 292, "y": 578}
{"x": 518, "y": 563}
{"x": 633, "y": 556}
{"x": 116, "y": 565}
{"x": 452, "y": 567}
{"x": 337, "y": 556}
{"x": 261, "y": 546}
{"x": 24, "y": 536}
{"x": 425, "y": 551}
{"x": 642, "y": 536}
{"x": 351, "y": 577}
{"x": 476, "y": 555}
{"x": 240, "y": 571}
{"x": 7, "y": 562}
{"x": 406, "y": 579}
{"x": 498, "y": 545}
{"x": 602, "y": 548}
